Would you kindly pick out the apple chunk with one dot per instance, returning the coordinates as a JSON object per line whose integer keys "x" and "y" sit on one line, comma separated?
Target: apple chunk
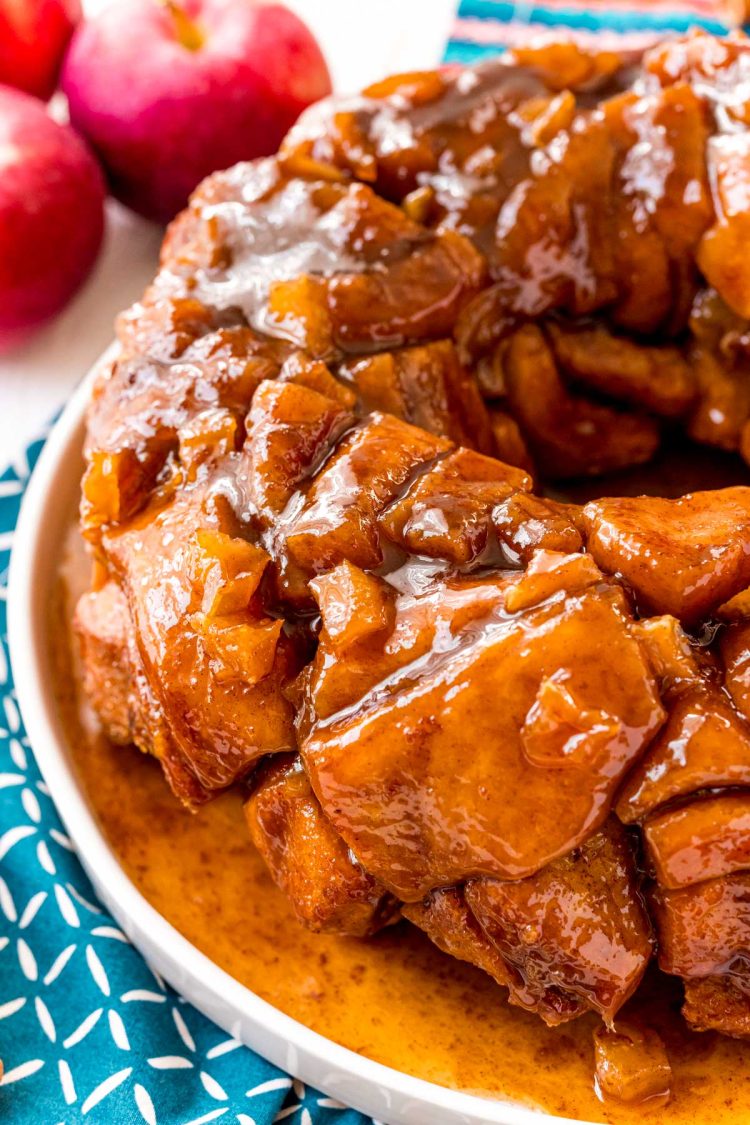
{"x": 683, "y": 557}
{"x": 480, "y": 748}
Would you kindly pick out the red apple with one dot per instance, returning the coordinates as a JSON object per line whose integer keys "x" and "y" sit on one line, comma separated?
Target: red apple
{"x": 167, "y": 93}
{"x": 51, "y": 212}
{"x": 33, "y": 38}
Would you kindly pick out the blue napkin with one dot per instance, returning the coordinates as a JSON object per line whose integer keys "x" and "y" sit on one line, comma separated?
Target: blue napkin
{"x": 486, "y": 27}
{"x": 87, "y": 1032}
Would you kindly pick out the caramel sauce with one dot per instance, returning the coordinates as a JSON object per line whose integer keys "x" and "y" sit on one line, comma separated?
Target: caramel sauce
{"x": 394, "y": 998}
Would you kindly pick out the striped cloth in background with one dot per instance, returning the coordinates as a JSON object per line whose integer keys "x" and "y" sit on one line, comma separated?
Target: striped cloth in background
{"x": 484, "y": 27}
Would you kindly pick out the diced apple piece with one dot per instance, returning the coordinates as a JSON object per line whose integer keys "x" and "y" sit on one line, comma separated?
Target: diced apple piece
{"x": 549, "y": 573}
{"x": 569, "y": 435}
{"x": 427, "y": 386}
{"x": 705, "y": 744}
{"x": 243, "y": 651}
{"x": 526, "y": 524}
{"x": 682, "y": 557}
{"x": 353, "y": 605}
{"x": 654, "y": 378}
{"x": 632, "y": 1066}
{"x": 447, "y": 511}
{"x": 289, "y": 428}
{"x": 307, "y": 859}
{"x": 677, "y": 663}
{"x": 115, "y": 485}
{"x": 704, "y": 929}
{"x": 450, "y": 924}
{"x": 339, "y": 519}
{"x": 415, "y": 770}
{"x": 208, "y": 436}
{"x": 722, "y": 253}
{"x": 229, "y": 569}
{"x": 734, "y": 645}
{"x": 595, "y": 963}
{"x": 702, "y": 840}
{"x": 220, "y": 702}
{"x": 717, "y": 1004}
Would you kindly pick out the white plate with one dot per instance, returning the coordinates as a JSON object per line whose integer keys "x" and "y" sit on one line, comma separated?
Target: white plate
{"x": 368, "y": 1086}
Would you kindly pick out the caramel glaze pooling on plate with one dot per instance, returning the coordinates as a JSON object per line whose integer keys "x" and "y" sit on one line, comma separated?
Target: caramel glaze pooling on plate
{"x": 394, "y": 997}
{"x": 323, "y": 570}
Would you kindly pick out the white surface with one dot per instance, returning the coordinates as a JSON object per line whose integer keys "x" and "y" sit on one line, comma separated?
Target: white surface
{"x": 354, "y": 1080}
{"x": 363, "y": 40}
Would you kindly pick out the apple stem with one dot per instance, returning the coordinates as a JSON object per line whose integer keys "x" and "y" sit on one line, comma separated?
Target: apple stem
{"x": 188, "y": 32}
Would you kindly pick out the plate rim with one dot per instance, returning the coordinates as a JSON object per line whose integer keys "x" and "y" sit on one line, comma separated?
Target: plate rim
{"x": 386, "y": 1093}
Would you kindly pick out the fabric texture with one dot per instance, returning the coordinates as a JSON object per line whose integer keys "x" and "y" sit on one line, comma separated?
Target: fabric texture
{"x": 88, "y": 1033}
{"x": 485, "y": 27}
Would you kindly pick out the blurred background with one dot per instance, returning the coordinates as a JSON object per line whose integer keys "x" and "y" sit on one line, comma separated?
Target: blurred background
{"x": 361, "y": 42}
{"x": 111, "y": 89}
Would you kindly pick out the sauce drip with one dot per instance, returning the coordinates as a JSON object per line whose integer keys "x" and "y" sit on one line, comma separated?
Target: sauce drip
{"x": 394, "y": 998}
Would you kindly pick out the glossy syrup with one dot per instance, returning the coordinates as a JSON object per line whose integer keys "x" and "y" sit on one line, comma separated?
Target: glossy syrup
{"x": 393, "y": 998}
